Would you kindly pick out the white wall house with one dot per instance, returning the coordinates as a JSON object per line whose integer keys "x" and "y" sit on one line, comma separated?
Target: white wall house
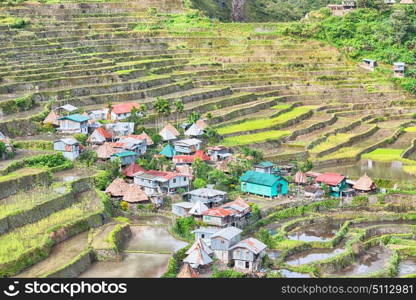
{"x": 73, "y": 124}
{"x": 156, "y": 182}
{"x": 69, "y": 147}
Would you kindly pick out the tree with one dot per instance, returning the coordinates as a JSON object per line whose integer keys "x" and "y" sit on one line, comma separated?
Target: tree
{"x": 199, "y": 183}
{"x": 209, "y": 117}
{"x": 401, "y": 26}
{"x": 265, "y": 237}
{"x": 179, "y": 108}
{"x": 88, "y": 157}
{"x": 3, "y": 148}
{"x": 81, "y": 137}
{"x": 305, "y": 166}
{"x": 162, "y": 108}
{"x": 193, "y": 117}
{"x": 212, "y": 136}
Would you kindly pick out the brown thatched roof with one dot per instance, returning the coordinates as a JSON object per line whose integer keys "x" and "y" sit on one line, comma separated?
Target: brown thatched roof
{"x": 134, "y": 194}
{"x": 300, "y": 177}
{"x": 148, "y": 139}
{"x": 365, "y": 183}
{"x": 105, "y": 151}
{"x": 117, "y": 188}
{"x": 51, "y": 118}
{"x": 186, "y": 271}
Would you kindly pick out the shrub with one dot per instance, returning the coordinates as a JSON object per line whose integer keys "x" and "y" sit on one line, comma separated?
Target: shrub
{"x": 360, "y": 200}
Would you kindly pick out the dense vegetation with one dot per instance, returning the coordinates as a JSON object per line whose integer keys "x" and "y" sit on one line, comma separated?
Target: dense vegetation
{"x": 386, "y": 34}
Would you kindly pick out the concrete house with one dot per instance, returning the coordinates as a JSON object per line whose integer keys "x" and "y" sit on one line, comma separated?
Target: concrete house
{"x": 122, "y": 111}
{"x": 99, "y": 136}
{"x": 188, "y": 146}
{"x": 126, "y": 157}
{"x": 182, "y": 209}
{"x": 159, "y": 182}
{"x": 337, "y": 183}
{"x": 98, "y": 114}
{"x": 223, "y": 240}
{"x": 205, "y": 233}
{"x": 69, "y": 147}
{"x": 73, "y": 124}
{"x": 65, "y": 109}
{"x": 208, "y": 195}
{"x": 247, "y": 255}
{"x": 134, "y": 144}
{"x": 120, "y": 128}
{"x": 263, "y": 184}
{"x": 242, "y": 212}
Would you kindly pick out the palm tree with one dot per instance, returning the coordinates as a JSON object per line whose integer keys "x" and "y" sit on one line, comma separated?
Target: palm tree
{"x": 110, "y": 109}
{"x": 179, "y": 108}
{"x": 162, "y": 107}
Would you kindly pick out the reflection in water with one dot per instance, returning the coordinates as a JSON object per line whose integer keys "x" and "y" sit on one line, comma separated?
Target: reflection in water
{"x": 375, "y": 169}
{"x": 406, "y": 267}
{"x": 322, "y": 231}
{"x": 372, "y": 261}
{"x": 135, "y": 265}
{"x": 312, "y": 255}
{"x": 290, "y": 274}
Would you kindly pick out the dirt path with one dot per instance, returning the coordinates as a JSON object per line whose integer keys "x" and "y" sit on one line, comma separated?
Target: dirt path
{"x": 61, "y": 254}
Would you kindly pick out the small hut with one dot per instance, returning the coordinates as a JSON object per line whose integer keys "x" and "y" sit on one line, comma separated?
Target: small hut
{"x": 398, "y": 69}
{"x": 134, "y": 195}
{"x": 198, "y": 257}
{"x": 365, "y": 184}
{"x": 187, "y": 272}
{"x": 52, "y": 118}
{"x": 117, "y": 188}
{"x": 300, "y": 178}
{"x": 105, "y": 151}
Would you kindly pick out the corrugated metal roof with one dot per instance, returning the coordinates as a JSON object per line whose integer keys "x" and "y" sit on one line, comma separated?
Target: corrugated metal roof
{"x": 207, "y": 192}
{"x": 75, "y": 118}
{"x": 260, "y": 178}
{"x": 228, "y": 233}
{"x": 251, "y": 244}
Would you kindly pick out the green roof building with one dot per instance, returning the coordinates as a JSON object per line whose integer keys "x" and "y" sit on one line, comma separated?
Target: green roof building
{"x": 168, "y": 151}
{"x": 263, "y": 184}
{"x": 126, "y": 157}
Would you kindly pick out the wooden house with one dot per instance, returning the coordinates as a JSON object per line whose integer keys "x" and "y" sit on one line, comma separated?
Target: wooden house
{"x": 132, "y": 169}
{"x": 218, "y": 216}
{"x": 205, "y": 233}
{"x": 208, "y": 195}
{"x": 182, "y": 209}
{"x": 126, "y": 157}
{"x": 263, "y": 184}
{"x": 219, "y": 153}
{"x": 120, "y": 129}
{"x": 99, "y": 136}
{"x": 399, "y": 69}
{"x": 242, "y": 212}
{"x": 337, "y": 183}
{"x": 265, "y": 167}
{"x": 187, "y": 146}
{"x": 198, "y": 257}
{"x": 300, "y": 178}
{"x": 223, "y": 240}
{"x": 198, "y": 209}
{"x": 247, "y": 255}
{"x": 134, "y": 144}
{"x": 69, "y": 147}
{"x": 116, "y": 188}
{"x": 180, "y": 160}
{"x": 73, "y": 124}
{"x": 105, "y": 151}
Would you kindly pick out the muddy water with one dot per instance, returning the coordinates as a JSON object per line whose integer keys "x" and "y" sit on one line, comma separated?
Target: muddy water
{"x": 73, "y": 174}
{"x": 150, "y": 220}
{"x": 320, "y": 232}
{"x": 157, "y": 238}
{"x": 312, "y": 255}
{"x": 372, "y": 261}
{"x": 407, "y": 266}
{"x": 385, "y": 170}
{"x": 385, "y": 223}
{"x": 136, "y": 265}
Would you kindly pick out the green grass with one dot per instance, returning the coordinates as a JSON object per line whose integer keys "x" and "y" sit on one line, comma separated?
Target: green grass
{"x": 20, "y": 240}
{"x": 384, "y": 154}
{"x": 265, "y": 123}
{"x": 410, "y": 129}
{"x": 255, "y": 138}
{"x": 21, "y": 172}
{"x": 345, "y": 152}
{"x": 331, "y": 141}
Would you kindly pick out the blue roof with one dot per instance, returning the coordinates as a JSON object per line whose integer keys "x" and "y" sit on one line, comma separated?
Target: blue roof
{"x": 266, "y": 164}
{"x": 260, "y": 178}
{"x": 125, "y": 154}
{"x": 75, "y": 118}
{"x": 168, "y": 151}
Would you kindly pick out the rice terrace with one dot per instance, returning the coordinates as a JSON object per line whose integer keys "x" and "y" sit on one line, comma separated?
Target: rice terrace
{"x": 137, "y": 135}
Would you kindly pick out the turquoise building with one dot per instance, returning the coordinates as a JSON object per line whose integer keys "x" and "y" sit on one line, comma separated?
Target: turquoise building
{"x": 168, "y": 151}
{"x": 263, "y": 184}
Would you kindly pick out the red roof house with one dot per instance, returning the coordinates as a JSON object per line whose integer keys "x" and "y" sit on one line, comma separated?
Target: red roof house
{"x": 332, "y": 179}
{"x": 122, "y": 111}
{"x": 132, "y": 169}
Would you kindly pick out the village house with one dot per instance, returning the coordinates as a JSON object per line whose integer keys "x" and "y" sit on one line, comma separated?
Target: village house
{"x": 168, "y": 151}
{"x": 369, "y": 64}
{"x": 133, "y": 144}
{"x": 180, "y": 160}
{"x": 263, "y": 184}
{"x": 132, "y": 169}
{"x": 337, "y": 183}
{"x": 73, "y": 124}
{"x": 342, "y": 9}
{"x": 219, "y": 153}
{"x": 300, "y": 178}
{"x": 126, "y": 157}
{"x": 117, "y": 188}
{"x": 188, "y": 146}
{"x": 266, "y": 167}
{"x": 194, "y": 131}
{"x": 398, "y": 69}
{"x": 169, "y": 133}
{"x": 66, "y": 109}
{"x": 208, "y": 195}
{"x": 313, "y": 191}
{"x": 223, "y": 240}
{"x": 122, "y": 111}
{"x": 105, "y": 151}
{"x": 198, "y": 209}
{"x": 242, "y": 214}
{"x": 218, "y": 216}
{"x": 205, "y": 233}
{"x": 159, "y": 182}
{"x": 120, "y": 128}
{"x": 98, "y": 114}
{"x": 143, "y": 136}
{"x": 99, "y": 136}
{"x": 52, "y": 119}
{"x": 182, "y": 209}
{"x": 134, "y": 196}
{"x": 199, "y": 255}
{"x": 247, "y": 255}
{"x": 365, "y": 184}
{"x": 69, "y": 147}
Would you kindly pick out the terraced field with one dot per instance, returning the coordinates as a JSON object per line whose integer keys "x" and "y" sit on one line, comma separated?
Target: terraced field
{"x": 286, "y": 96}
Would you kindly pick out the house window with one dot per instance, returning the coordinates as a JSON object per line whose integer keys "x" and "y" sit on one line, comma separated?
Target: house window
{"x": 174, "y": 180}
{"x": 247, "y": 264}
{"x": 203, "y": 236}
{"x": 185, "y": 179}
{"x": 222, "y": 241}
